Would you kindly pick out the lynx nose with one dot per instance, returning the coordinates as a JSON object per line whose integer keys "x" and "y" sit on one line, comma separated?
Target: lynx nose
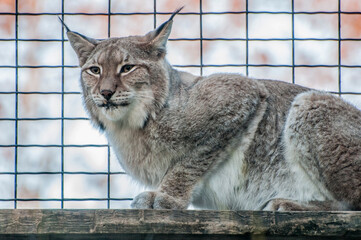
{"x": 107, "y": 94}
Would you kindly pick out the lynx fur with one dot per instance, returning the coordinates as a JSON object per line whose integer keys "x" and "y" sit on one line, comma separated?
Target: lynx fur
{"x": 223, "y": 141}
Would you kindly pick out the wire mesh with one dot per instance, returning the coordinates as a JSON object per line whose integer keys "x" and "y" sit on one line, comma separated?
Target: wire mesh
{"x": 246, "y": 66}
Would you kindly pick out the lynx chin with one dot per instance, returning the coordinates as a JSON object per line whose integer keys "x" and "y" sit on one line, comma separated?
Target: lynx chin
{"x": 223, "y": 141}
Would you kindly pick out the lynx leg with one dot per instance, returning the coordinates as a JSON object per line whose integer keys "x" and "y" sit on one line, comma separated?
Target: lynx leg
{"x": 323, "y": 138}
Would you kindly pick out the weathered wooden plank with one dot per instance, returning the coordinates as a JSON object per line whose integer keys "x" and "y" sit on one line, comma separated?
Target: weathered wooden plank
{"x": 169, "y": 224}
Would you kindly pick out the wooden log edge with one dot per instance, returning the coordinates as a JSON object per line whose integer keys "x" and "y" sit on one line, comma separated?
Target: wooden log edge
{"x": 176, "y": 224}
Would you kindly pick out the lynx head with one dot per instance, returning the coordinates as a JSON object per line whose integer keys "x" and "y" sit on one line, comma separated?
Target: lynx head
{"x": 126, "y": 79}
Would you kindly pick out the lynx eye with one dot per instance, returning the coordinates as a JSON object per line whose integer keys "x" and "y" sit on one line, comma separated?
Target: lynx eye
{"x": 126, "y": 68}
{"x": 95, "y": 70}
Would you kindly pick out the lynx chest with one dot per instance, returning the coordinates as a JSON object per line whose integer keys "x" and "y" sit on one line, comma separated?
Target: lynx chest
{"x": 144, "y": 160}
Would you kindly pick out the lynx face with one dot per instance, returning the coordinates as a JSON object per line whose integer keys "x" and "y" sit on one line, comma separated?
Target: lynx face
{"x": 124, "y": 79}
{"x": 118, "y": 83}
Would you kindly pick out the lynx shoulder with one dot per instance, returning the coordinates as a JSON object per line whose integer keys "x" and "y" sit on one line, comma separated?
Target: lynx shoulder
{"x": 224, "y": 141}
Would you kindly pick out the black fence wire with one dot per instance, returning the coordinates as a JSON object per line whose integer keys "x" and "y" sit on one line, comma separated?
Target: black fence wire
{"x": 17, "y": 145}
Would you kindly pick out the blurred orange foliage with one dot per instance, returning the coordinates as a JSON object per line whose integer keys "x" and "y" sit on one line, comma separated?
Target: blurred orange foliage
{"x": 7, "y": 23}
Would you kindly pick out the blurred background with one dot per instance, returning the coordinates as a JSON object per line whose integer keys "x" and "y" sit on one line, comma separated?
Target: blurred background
{"x": 51, "y": 156}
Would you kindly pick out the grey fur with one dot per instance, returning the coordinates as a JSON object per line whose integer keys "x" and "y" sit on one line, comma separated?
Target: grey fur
{"x": 224, "y": 141}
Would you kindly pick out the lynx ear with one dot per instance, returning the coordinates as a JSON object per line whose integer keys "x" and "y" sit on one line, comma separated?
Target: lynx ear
{"x": 81, "y": 44}
{"x": 158, "y": 38}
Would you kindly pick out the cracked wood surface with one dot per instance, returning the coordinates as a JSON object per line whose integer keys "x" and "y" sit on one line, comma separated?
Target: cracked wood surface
{"x": 177, "y": 224}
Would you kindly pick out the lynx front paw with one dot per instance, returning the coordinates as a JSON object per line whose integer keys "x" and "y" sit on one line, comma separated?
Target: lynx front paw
{"x": 157, "y": 200}
{"x": 145, "y": 200}
{"x": 280, "y": 204}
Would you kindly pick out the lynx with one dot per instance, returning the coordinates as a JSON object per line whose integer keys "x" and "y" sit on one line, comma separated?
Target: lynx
{"x": 223, "y": 141}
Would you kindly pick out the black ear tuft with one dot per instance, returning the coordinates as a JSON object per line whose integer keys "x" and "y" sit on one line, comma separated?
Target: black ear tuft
{"x": 160, "y": 28}
{"x": 175, "y": 13}
{"x": 64, "y": 25}
{"x": 158, "y": 37}
{"x": 82, "y": 45}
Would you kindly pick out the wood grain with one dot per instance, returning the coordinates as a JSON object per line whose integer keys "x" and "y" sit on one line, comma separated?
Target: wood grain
{"x": 169, "y": 224}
